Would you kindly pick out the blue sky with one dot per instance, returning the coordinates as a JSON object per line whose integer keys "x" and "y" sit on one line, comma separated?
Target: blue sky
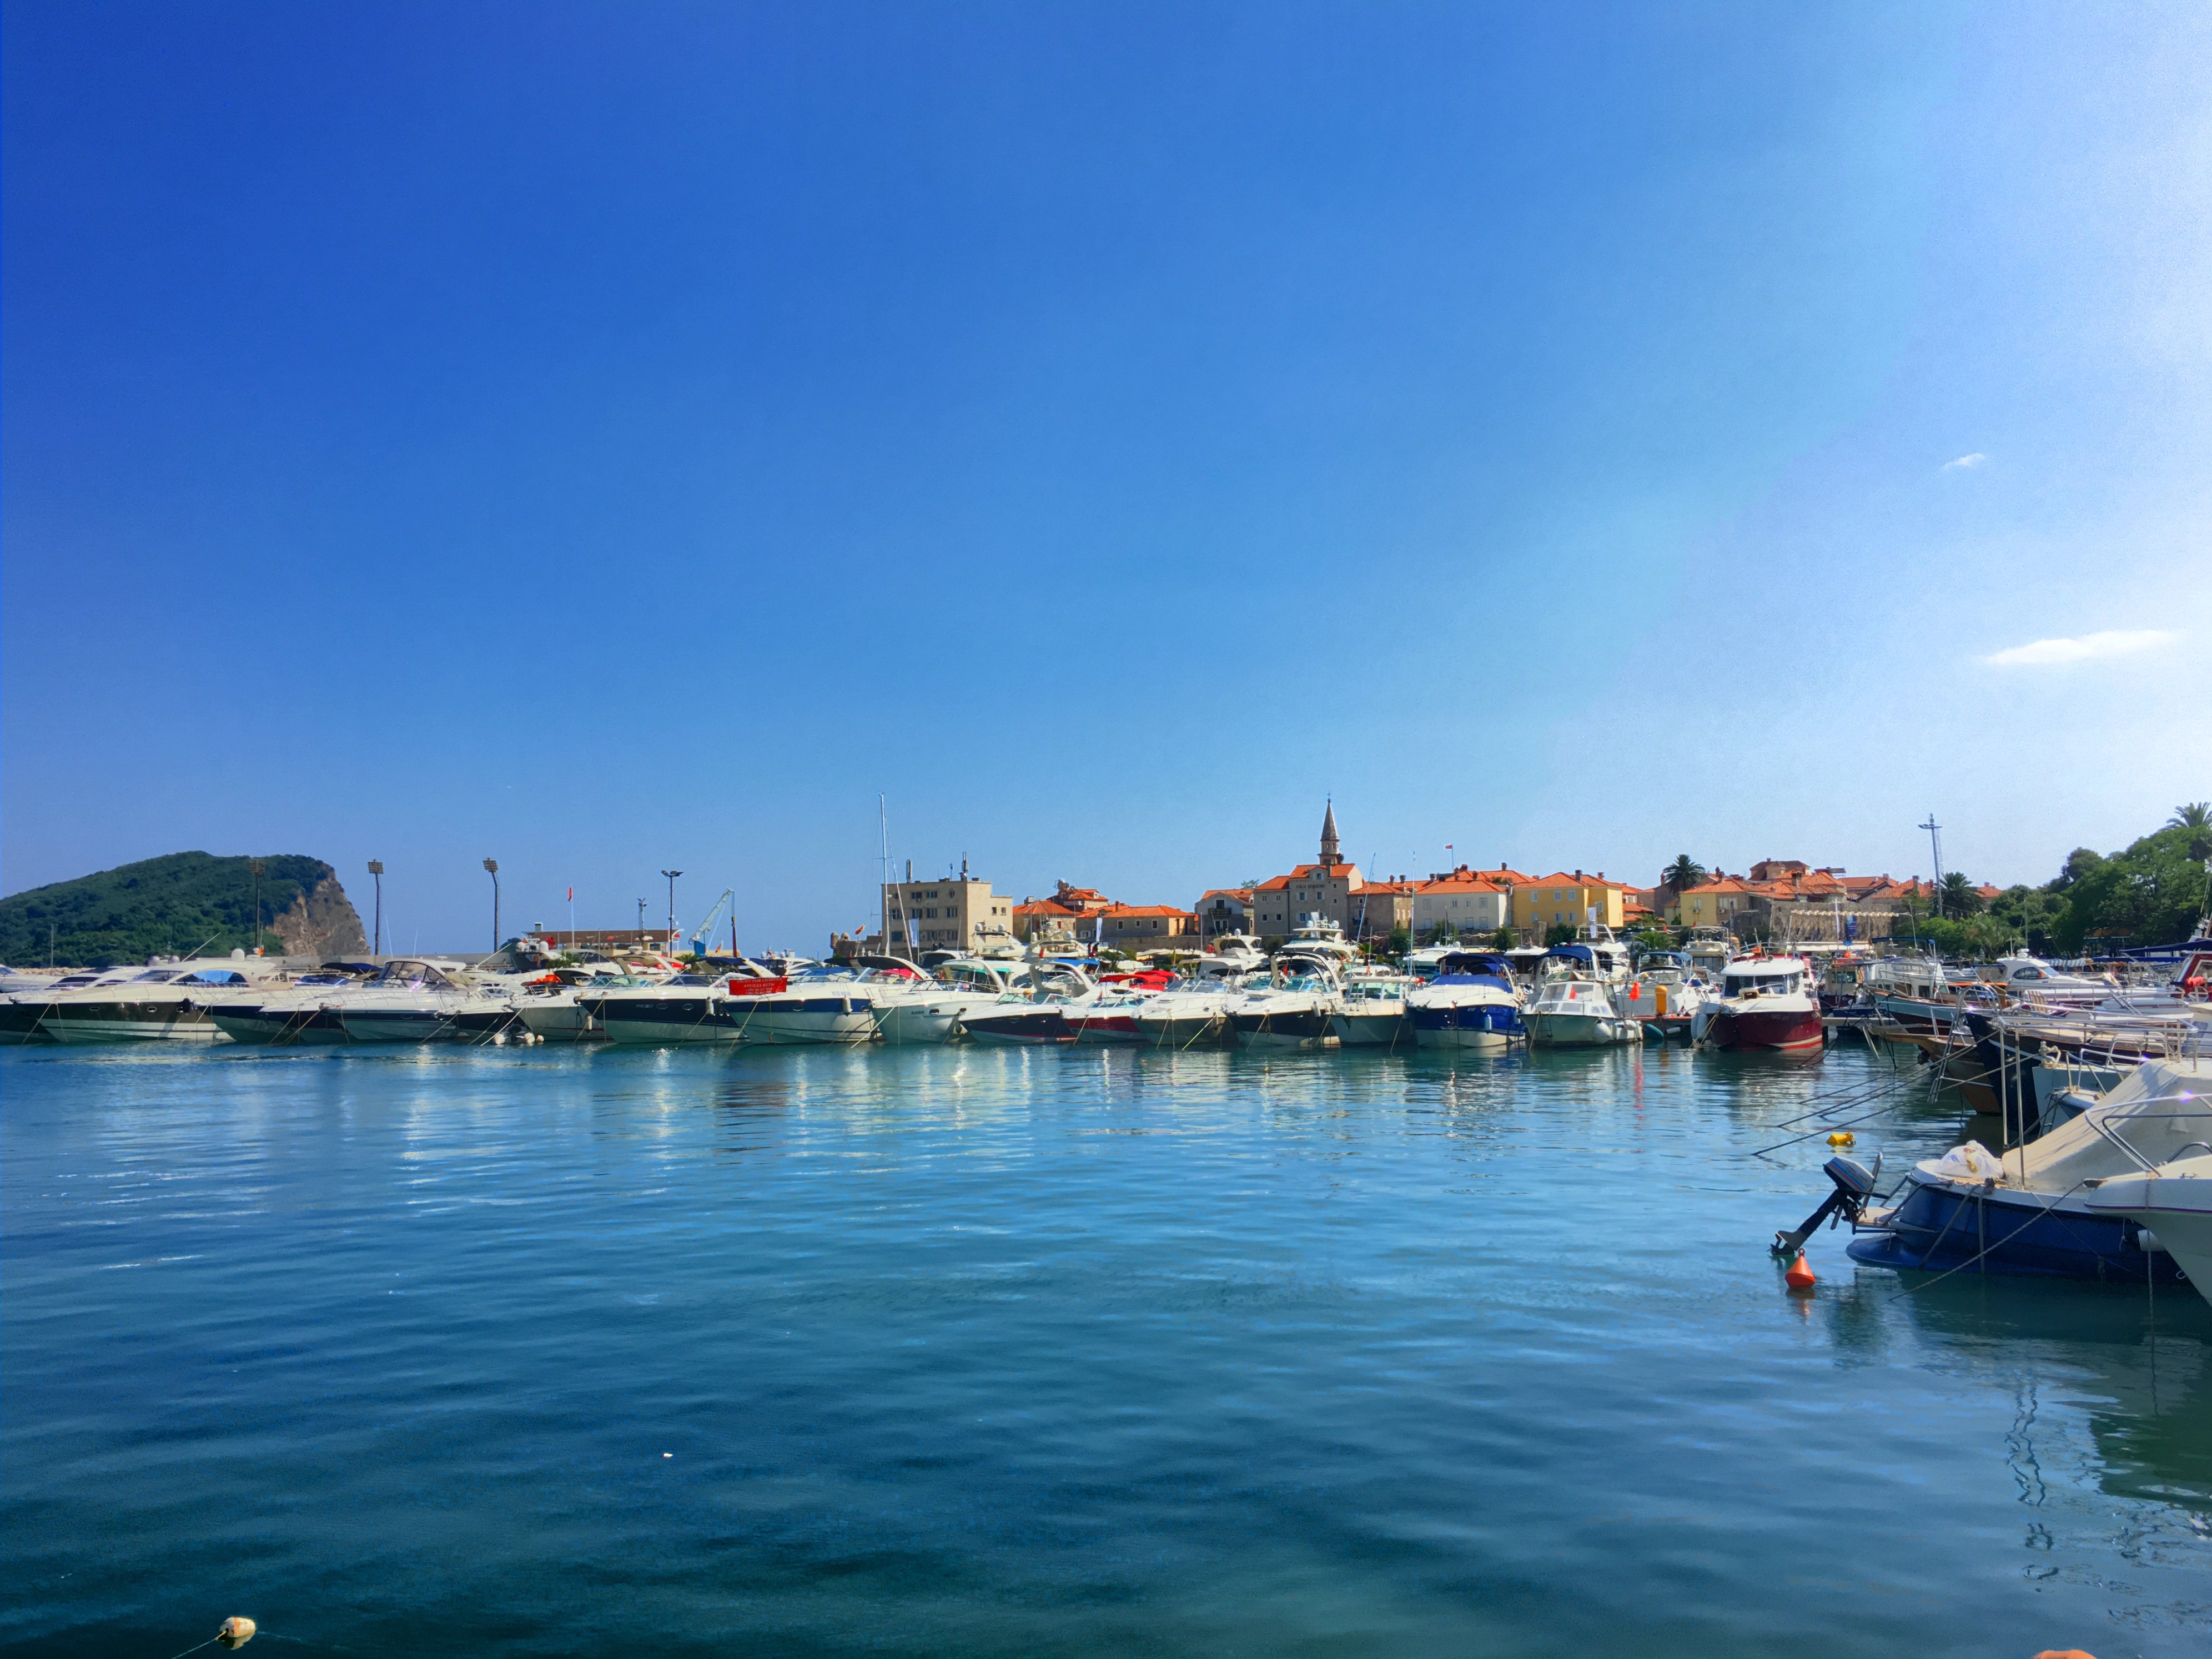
{"x": 611, "y": 438}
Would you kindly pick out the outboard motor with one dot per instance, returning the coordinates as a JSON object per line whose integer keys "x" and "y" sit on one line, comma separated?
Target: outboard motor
{"x": 1855, "y": 1186}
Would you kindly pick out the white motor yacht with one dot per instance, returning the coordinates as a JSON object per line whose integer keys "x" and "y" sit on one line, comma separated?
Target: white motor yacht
{"x": 170, "y": 1003}
{"x": 1574, "y": 1006}
{"x": 568, "y": 1010}
{"x": 1192, "y": 1012}
{"x": 820, "y": 1006}
{"x": 681, "y": 1009}
{"x": 1662, "y": 995}
{"x": 1296, "y": 1010}
{"x": 22, "y": 1010}
{"x": 1036, "y": 1012}
{"x": 1470, "y": 1001}
{"x": 1371, "y": 1013}
{"x": 1238, "y": 953}
{"x": 296, "y": 1013}
{"x": 929, "y": 1010}
{"x": 411, "y": 1000}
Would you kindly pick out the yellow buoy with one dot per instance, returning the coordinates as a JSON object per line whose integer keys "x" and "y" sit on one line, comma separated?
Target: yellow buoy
{"x": 236, "y": 1633}
{"x": 1843, "y": 1138}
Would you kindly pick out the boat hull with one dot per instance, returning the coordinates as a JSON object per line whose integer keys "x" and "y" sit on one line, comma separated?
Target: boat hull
{"x": 1025, "y": 1027}
{"x": 551, "y": 1021}
{"x": 1550, "y": 1030}
{"x": 1936, "y": 1227}
{"x": 396, "y": 1025}
{"x": 1117, "y": 1028}
{"x": 1742, "y": 1029}
{"x": 1486, "y": 1028}
{"x": 1356, "y": 1029}
{"x": 784, "y": 1021}
{"x": 1290, "y": 1028}
{"x": 19, "y": 1022}
{"x": 125, "y": 1022}
{"x": 280, "y": 1026}
{"x": 666, "y": 1022}
{"x": 1187, "y": 1031}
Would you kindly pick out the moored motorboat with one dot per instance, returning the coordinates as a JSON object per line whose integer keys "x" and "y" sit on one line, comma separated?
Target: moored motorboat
{"x": 1470, "y": 1002}
{"x": 23, "y": 1010}
{"x": 1575, "y": 1006}
{"x": 929, "y": 1009}
{"x": 171, "y": 1004}
{"x": 1766, "y": 1002}
{"x": 1298, "y": 1010}
{"x": 2171, "y": 1202}
{"x": 1371, "y": 1011}
{"x": 1662, "y": 995}
{"x": 2029, "y": 1213}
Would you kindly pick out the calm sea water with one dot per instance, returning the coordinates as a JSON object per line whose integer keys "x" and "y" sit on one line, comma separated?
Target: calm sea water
{"x": 1004, "y": 1351}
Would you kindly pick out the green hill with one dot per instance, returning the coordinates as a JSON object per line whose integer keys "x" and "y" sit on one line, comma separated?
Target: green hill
{"x": 180, "y": 903}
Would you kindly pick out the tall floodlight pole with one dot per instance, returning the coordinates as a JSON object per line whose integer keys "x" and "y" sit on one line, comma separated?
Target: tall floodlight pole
{"x": 672, "y": 875}
{"x": 1935, "y": 855}
{"x": 376, "y": 869}
{"x": 491, "y": 869}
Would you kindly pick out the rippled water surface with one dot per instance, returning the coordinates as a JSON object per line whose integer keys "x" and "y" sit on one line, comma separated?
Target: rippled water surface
{"x": 1007, "y": 1352}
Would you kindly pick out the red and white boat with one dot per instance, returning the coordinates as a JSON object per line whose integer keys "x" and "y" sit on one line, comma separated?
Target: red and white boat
{"x": 1766, "y": 1002}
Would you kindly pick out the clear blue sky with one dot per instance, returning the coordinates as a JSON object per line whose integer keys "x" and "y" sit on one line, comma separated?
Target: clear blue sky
{"x": 612, "y": 437}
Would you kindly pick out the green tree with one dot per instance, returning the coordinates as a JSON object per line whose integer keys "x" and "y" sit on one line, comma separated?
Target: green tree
{"x": 2079, "y": 863}
{"x": 2151, "y": 894}
{"x": 2195, "y": 816}
{"x": 1401, "y": 940}
{"x": 1503, "y": 940}
{"x": 1561, "y": 933}
{"x": 1683, "y": 874}
{"x": 1957, "y": 899}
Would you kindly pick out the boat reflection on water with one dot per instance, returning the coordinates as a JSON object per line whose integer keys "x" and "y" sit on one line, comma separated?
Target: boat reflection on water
{"x": 2134, "y": 1368}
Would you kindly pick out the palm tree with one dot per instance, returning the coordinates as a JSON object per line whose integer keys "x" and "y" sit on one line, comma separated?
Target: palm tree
{"x": 1957, "y": 896}
{"x": 1683, "y": 873}
{"x": 2195, "y": 816}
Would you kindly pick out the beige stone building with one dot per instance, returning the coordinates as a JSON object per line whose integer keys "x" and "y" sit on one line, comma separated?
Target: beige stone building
{"x": 1469, "y": 901}
{"x": 950, "y": 913}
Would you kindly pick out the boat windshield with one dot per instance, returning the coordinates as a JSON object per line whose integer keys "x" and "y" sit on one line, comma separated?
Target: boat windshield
{"x": 159, "y": 976}
{"x": 1739, "y": 985}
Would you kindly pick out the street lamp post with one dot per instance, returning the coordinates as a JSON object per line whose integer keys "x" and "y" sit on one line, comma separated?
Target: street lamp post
{"x": 256, "y": 866}
{"x": 672, "y": 875}
{"x": 641, "y": 921}
{"x": 376, "y": 869}
{"x": 491, "y": 869}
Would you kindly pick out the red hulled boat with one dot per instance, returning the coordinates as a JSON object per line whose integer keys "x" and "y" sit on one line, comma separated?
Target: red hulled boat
{"x": 1766, "y": 1002}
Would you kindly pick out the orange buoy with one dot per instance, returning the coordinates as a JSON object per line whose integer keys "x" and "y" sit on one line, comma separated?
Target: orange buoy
{"x": 2064, "y": 1653}
{"x": 236, "y": 1633}
{"x": 1800, "y": 1276}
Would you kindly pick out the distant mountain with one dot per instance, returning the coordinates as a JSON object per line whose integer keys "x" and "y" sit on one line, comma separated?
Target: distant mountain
{"x": 183, "y": 903}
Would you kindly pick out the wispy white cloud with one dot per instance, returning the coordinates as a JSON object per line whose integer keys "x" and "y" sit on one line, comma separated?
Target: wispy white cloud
{"x": 2044, "y": 653}
{"x": 1973, "y": 460}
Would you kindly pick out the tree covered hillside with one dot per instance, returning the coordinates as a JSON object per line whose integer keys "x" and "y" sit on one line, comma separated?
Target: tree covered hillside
{"x": 183, "y": 902}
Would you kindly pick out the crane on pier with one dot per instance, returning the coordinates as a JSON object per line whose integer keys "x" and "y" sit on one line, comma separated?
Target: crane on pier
{"x": 706, "y": 929}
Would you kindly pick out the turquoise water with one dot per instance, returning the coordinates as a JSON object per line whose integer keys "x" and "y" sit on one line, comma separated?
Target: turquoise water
{"x": 1012, "y": 1352}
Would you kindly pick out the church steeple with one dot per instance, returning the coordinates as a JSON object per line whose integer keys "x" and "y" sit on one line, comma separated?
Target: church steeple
{"x": 1328, "y": 844}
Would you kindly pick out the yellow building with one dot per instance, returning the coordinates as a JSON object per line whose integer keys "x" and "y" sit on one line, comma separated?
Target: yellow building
{"x": 1560, "y": 899}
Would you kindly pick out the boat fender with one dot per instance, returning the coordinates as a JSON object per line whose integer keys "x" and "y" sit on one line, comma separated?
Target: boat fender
{"x": 236, "y": 1632}
{"x": 2146, "y": 1241}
